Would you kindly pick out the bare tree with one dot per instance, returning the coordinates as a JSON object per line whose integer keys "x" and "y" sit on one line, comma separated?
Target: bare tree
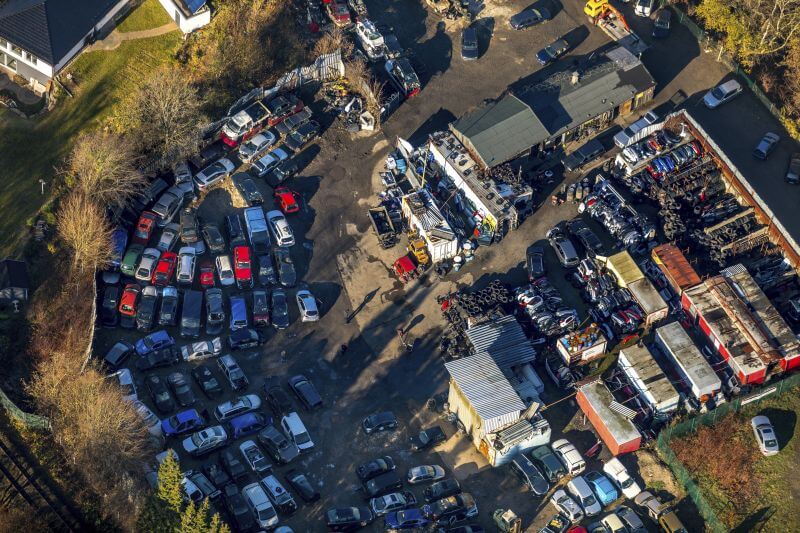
{"x": 361, "y": 82}
{"x": 333, "y": 40}
{"x": 103, "y": 166}
{"x": 85, "y": 230}
{"x": 164, "y": 116}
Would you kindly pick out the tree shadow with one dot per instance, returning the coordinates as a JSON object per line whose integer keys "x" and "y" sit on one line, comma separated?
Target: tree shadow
{"x": 754, "y": 522}
{"x": 484, "y": 27}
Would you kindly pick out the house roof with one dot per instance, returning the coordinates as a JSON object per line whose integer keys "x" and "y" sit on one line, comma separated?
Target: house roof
{"x": 14, "y": 274}
{"x": 552, "y": 104}
{"x": 49, "y": 29}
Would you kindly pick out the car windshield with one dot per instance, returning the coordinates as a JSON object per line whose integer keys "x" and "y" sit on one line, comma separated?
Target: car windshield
{"x": 589, "y": 501}
{"x": 266, "y": 514}
{"x": 717, "y": 93}
{"x": 197, "y": 439}
{"x": 770, "y": 443}
{"x": 626, "y": 483}
{"x": 470, "y": 44}
{"x": 302, "y": 438}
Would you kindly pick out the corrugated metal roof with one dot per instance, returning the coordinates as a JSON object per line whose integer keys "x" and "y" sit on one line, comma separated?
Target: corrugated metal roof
{"x": 600, "y": 398}
{"x": 483, "y": 384}
{"x": 624, "y": 268}
{"x": 647, "y": 377}
{"x": 647, "y": 296}
{"x": 504, "y": 341}
{"x": 675, "y": 266}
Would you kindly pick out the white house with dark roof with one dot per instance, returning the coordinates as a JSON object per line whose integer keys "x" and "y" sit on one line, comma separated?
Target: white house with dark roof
{"x": 38, "y": 38}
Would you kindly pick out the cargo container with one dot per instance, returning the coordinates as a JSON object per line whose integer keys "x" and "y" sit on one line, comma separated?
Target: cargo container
{"x": 623, "y": 267}
{"x": 582, "y": 346}
{"x": 648, "y": 379}
{"x": 611, "y": 420}
{"x": 675, "y": 343}
{"x": 675, "y": 267}
{"x": 420, "y": 210}
{"x": 648, "y": 298}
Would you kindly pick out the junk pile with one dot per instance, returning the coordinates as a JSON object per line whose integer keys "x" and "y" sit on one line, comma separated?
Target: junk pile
{"x": 541, "y": 304}
{"x": 610, "y": 302}
{"x": 450, "y": 9}
{"x": 607, "y": 206}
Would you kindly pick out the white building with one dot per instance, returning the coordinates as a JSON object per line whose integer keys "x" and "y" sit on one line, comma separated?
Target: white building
{"x": 189, "y": 15}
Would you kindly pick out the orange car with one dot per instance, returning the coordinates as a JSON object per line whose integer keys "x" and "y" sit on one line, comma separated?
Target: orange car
{"x": 286, "y": 200}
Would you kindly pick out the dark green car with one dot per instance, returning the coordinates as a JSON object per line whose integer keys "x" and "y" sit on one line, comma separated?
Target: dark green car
{"x": 131, "y": 259}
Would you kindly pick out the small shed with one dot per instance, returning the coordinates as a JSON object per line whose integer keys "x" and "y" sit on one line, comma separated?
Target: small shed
{"x": 675, "y": 267}
{"x": 623, "y": 267}
{"x": 648, "y": 379}
{"x": 648, "y": 298}
{"x": 14, "y": 281}
{"x": 676, "y": 344}
{"x": 611, "y": 420}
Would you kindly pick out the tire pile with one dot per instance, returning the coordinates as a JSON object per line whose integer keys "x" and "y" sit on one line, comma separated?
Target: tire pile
{"x": 479, "y": 302}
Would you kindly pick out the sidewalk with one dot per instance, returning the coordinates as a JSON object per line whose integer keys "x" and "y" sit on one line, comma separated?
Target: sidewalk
{"x": 115, "y": 38}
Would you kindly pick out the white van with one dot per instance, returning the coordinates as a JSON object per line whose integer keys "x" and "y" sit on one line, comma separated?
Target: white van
{"x": 570, "y": 456}
{"x": 294, "y": 427}
{"x": 580, "y": 490}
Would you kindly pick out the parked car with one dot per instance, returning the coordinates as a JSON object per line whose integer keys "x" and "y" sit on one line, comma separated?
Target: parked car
{"x": 286, "y": 272}
{"x": 146, "y": 311}
{"x": 279, "y": 402}
{"x": 552, "y": 51}
{"x": 131, "y": 259}
{"x": 248, "y": 189}
{"x": 441, "y": 489}
{"x": 302, "y": 485}
{"x": 232, "y": 464}
{"x": 118, "y": 354}
{"x": 187, "y": 260}
{"x": 403, "y": 76}
{"x": 286, "y": 200}
{"x": 285, "y": 170}
{"x": 237, "y": 406}
{"x": 159, "y": 393}
{"x": 168, "y": 312}
{"x": 588, "y": 239}
{"x": 569, "y": 456}
{"x": 215, "y": 313}
{"x": 550, "y": 465}
{"x": 583, "y": 155}
{"x": 154, "y": 341}
{"x": 244, "y": 338}
{"x": 425, "y": 474}
{"x": 280, "y": 309}
{"x": 169, "y": 236}
{"x": 305, "y": 392}
{"x": 644, "y": 8}
{"x": 268, "y": 162}
{"x": 469, "y": 44}
{"x": 233, "y": 372}
{"x": 793, "y": 173}
{"x": 238, "y": 510}
{"x": 165, "y": 269}
{"x": 144, "y": 228}
{"x": 187, "y": 421}
{"x": 534, "y": 260}
{"x": 297, "y": 432}
{"x": 198, "y": 487}
{"x": 127, "y": 305}
{"x": 225, "y": 270}
{"x": 563, "y": 247}
{"x": 427, "y": 438}
{"x": 649, "y": 504}
{"x": 278, "y": 446}
{"x": 280, "y": 229}
{"x": 235, "y": 230}
{"x": 765, "y": 435}
{"x": 394, "y": 501}
{"x": 191, "y": 314}
{"x": 630, "y": 519}
{"x": 242, "y": 267}
{"x": 615, "y": 470}
{"x": 374, "y": 468}
{"x": 348, "y": 518}
{"x": 260, "y": 308}
{"x": 147, "y": 264}
{"x": 207, "y": 381}
{"x": 167, "y": 206}
{"x": 307, "y": 305}
{"x": 213, "y": 238}
{"x": 766, "y": 145}
{"x": 213, "y": 174}
{"x": 382, "y": 484}
{"x": 451, "y": 509}
{"x": 109, "y": 311}
{"x": 216, "y": 474}
{"x": 530, "y": 475}
{"x": 256, "y": 145}
{"x": 725, "y": 92}
{"x": 158, "y": 358}
{"x": 266, "y": 271}
{"x": 662, "y": 23}
{"x": 601, "y": 487}
{"x": 406, "y": 519}
{"x": 528, "y": 18}
{"x": 190, "y": 226}
{"x": 303, "y": 135}
{"x": 127, "y": 386}
{"x": 566, "y": 505}
{"x": 181, "y": 389}
{"x": 280, "y": 497}
{"x": 383, "y": 421}
{"x": 259, "y": 504}
{"x": 248, "y": 424}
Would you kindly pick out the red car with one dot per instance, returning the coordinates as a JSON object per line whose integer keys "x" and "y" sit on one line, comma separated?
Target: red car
{"x": 130, "y": 296}
{"x": 286, "y": 200}
{"x": 144, "y": 228}
{"x": 339, "y": 12}
{"x": 242, "y": 267}
{"x": 206, "y": 273}
{"x": 164, "y": 269}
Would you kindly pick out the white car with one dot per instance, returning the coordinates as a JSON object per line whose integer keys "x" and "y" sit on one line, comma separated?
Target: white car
{"x": 125, "y": 380}
{"x": 370, "y": 38}
{"x": 425, "y": 474}
{"x": 765, "y": 435}
{"x": 150, "y": 257}
{"x": 255, "y": 145}
{"x": 569, "y": 456}
{"x": 225, "y": 271}
{"x": 214, "y": 173}
{"x": 186, "y": 263}
{"x": 280, "y": 229}
{"x": 643, "y": 8}
{"x": 169, "y": 236}
{"x": 258, "y": 502}
{"x": 270, "y": 161}
{"x": 387, "y": 503}
{"x": 566, "y": 505}
{"x": 205, "y": 441}
{"x": 152, "y": 422}
{"x": 307, "y": 305}
{"x": 182, "y": 173}
{"x": 722, "y": 93}
{"x": 619, "y": 475}
{"x": 254, "y": 456}
{"x": 198, "y": 351}
{"x": 296, "y": 430}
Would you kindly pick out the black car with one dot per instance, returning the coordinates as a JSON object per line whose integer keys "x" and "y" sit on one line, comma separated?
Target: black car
{"x": 168, "y": 313}
{"x": 213, "y": 237}
{"x": 535, "y": 263}
{"x": 118, "y": 354}
{"x": 662, "y": 23}
{"x": 159, "y": 393}
{"x": 527, "y": 472}
{"x": 109, "y": 311}
{"x": 158, "y": 358}
{"x": 238, "y": 509}
{"x": 379, "y": 422}
{"x": 302, "y": 135}
{"x": 232, "y": 464}
{"x": 244, "y": 338}
{"x": 236, "y": 234}
{"x": 469, "y": 44}
{"x": 146, "y": 309}
{"x": 215, "y": 311}
{"x": 216, "y": 474}
{"x": 278, "y": 446}
{"x": 348, "y": 518}
{"x": 374, "y": 468}
{"x": 382, "y": 484}
{"x": 285, "y": 170}
{"x": 552, "y": 468}
{"x": 441, "y": 489}
{"x": 181, "y": 389}
{"x": 300, "y": 483}
{"x": 528, "y": 18}
{"x": 278, "y": 400}
{"x": 305, "y": 392}
{"x": 552, "y": 51}
{"x": 450, "y": 510}
{"x": 266, "y": 271}
{"x": 590, "y": 241}
{"x": 248, "y": 189}
{"x": 286, "y": 272}
{"x": 427, "y": 438}
{"x": 280, "y": 309}
{"x": 209, "y": 384}
{"x": 260, "y": 308}
{"x": 190, "y": 226}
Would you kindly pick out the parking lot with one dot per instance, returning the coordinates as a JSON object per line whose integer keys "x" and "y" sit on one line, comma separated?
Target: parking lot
{"x": 362, "y": 305}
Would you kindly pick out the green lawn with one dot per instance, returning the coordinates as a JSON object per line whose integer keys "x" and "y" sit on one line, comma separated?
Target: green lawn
{"x": 150, "y": 14}
{"x": 31, "y": 149}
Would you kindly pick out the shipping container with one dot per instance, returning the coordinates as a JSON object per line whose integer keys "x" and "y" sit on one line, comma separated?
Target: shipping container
{"x": 675, "y": 343}
{"x": 648, "y": 298}
{"x": 647, "y": 377}
{"x": 623, "y": 267}
{"x": 675, "y": 267}
{"x": 611, "y": 420}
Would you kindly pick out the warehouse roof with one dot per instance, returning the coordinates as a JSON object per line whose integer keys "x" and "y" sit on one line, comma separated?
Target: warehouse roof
{"x": 483, "y": 384}
{"x": 504, "y": 341}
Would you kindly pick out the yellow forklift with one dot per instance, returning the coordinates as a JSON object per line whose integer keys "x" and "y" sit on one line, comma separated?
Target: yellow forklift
{"x": 418, "y": 248}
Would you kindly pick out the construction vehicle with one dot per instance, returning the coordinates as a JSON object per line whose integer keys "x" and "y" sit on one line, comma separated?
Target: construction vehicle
{"x": 507, "y": 521}
{"x": 382, "y": 224}
{"x": 449, "y": 9}
{"x": 407, "y": 269}
{"x": 608, "y": 18}
{"x": 417, "y": 247}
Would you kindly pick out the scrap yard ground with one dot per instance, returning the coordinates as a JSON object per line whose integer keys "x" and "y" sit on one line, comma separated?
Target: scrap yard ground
{"x": 347, "y": 270}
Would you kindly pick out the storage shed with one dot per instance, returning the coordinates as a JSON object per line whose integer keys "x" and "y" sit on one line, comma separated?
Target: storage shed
{"x": 675, "y": 343}
{"x": 648, "y": 379}
{"x": 611, "y": 420}
{"x": 504, "y": 341}
{"x": 623, "y": 267}
{"x": 423, "y": 215}
{"x": 675, "y": 267}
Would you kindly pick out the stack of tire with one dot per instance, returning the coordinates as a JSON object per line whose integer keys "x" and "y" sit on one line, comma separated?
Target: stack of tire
{"x": 478, "y": 302}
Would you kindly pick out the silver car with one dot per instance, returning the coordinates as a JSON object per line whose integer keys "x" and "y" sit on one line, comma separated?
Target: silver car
{"x": 253, "y": 147}
{"x": 566, "y": 505}
{"x": 765, "y": 435}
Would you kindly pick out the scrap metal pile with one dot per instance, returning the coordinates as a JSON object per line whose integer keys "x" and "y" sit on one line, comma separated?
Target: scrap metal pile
{"x": 621, "y": 220}
{"x": 609, "y": 301}
{"x": 542, "y": 304}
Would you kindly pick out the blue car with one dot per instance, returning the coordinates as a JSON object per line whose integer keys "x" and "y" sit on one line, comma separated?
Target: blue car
{"x": 158, "y": 340}
{"x": 552, "y": 51}
{"x": 119, "y": 241}
{"x": 405, "y": 519}
{"x": 187, "y": 421}
{"x": 248, "y": 424}
{"x": 602, "y": 487}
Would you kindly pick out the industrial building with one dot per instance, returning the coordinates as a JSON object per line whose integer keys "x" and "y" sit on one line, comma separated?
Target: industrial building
{"x": 611, "y": 420}
{"x": 649, "y": 380}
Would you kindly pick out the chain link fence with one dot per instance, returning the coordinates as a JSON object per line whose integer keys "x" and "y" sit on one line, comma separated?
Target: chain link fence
{"x": 705, "y": 502}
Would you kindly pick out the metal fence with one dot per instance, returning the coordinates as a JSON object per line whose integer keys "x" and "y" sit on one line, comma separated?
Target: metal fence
{"x": 707, "y": 503}
{"x": 30, "y": 421}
